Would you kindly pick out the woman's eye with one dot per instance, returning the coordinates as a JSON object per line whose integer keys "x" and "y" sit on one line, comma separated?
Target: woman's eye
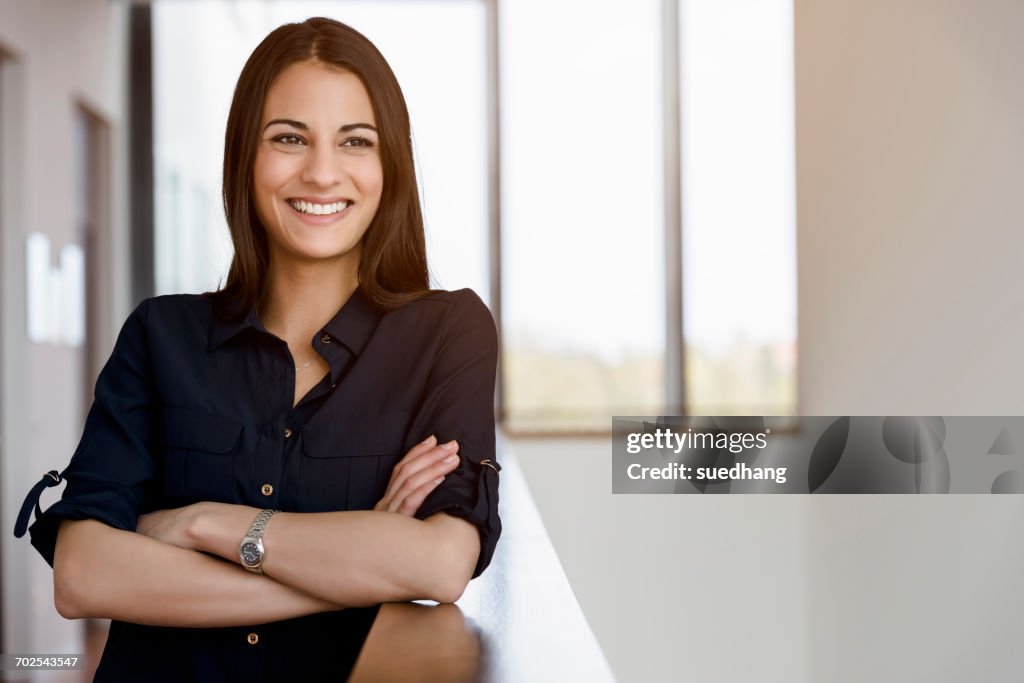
{"x": 288, "y": 139}
{"x": 358, "y": 142}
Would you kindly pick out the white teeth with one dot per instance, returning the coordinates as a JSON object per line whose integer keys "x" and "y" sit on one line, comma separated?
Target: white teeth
{"x": 317, "y": 209}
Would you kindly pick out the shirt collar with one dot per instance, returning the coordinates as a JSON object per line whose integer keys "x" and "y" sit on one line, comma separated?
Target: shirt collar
{"x": 355, "y": 322}
{"x": 352, "y": 325}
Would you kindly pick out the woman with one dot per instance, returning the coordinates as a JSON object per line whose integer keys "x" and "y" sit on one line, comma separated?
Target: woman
{"x": 317, "y": 435}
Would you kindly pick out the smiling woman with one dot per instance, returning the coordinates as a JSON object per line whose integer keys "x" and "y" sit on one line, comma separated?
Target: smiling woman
{"x": 266, "y": 463}
{"x": 304, "y": 149}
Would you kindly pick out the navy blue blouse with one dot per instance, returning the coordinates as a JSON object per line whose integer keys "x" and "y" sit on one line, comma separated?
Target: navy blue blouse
{"x": 195, "y": 405}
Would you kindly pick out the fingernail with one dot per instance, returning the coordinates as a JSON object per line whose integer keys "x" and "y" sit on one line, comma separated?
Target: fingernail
{"x": 451, "y": 444}
{"x": 451, "y": 458}
{"x": 427, "y": 440}
{"x": 439, "y": 480}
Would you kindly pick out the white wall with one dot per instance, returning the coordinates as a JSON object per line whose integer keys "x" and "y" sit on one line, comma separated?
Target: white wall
{"x": 675, "y": 587}
{"x": 61, "y": 54}
{"x": 911, "y": 292}
{"x": 909, "y": 206}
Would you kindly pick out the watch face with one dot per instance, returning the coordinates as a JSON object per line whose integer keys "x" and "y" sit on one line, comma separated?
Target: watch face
{"x": 251, "y": 553}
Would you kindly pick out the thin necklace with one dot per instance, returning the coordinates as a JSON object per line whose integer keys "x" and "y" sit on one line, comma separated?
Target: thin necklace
{"x": 297, "y": 368}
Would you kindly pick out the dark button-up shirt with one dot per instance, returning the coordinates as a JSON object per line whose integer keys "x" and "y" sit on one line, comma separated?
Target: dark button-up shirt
{"x": 195, "y": 406}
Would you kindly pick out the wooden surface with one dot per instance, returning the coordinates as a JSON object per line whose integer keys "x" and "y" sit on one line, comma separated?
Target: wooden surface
{"x": 519, "y": 621}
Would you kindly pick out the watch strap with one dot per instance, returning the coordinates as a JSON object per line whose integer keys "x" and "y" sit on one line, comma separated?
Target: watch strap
{"x": 259, "y": 525}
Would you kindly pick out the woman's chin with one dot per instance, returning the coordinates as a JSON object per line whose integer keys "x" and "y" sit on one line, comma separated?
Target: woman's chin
{"x": 313, "y": 252}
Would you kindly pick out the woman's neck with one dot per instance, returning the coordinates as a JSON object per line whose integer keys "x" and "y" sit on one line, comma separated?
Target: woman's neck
{"x": 299, "y": 299}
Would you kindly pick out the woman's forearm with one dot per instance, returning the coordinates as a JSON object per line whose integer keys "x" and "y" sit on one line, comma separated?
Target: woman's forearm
{"x": 357, "y": 558}
{"x": 104, "y": 572}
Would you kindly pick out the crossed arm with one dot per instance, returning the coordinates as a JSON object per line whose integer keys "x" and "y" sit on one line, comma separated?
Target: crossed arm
{"x": 315, "y": 562}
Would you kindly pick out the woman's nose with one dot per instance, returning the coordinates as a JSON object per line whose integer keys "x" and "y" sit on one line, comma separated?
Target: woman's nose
{"x": 324, "y": 167}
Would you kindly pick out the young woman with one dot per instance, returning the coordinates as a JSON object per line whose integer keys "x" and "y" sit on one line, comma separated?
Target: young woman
{"x": 315, "y": 437}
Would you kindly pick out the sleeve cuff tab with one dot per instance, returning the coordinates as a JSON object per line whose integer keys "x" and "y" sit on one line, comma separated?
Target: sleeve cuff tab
{"x": 51, "y": 478}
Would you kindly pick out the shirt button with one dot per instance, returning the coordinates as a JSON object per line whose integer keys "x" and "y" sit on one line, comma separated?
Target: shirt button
{"x": 287, "y": 433}
{"x": 253, "y": 638}
{"x": 267, "y": 489}
{"x": 326, "y": 339}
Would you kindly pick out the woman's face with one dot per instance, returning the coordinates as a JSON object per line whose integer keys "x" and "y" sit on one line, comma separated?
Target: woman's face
{"x": 317, "y": 178}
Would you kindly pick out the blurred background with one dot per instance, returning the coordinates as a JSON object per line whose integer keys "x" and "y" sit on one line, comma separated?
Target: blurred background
{"x": 672, "y": 206}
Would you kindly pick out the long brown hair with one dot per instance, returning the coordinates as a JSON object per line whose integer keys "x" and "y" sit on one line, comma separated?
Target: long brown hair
{"x": 393, "y": 264}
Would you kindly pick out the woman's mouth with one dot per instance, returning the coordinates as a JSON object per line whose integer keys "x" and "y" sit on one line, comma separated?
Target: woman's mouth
{"x": 312, "y": 209}
{"x": 318, "y": 214}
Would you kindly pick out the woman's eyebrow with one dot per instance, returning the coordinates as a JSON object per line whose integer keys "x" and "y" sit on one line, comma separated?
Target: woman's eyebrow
{"x": 301, "y": 126}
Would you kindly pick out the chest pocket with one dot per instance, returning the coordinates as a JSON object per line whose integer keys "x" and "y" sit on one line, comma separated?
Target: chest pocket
{"x": 347, "y": 461}
{"x": 199, "y": 450}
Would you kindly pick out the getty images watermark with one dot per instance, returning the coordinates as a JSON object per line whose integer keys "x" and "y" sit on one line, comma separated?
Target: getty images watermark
{"x": 838, "y": 454}
{"x": 665, "y": 440}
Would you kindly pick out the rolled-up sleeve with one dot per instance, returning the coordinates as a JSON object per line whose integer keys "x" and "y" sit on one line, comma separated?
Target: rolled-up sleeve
{"x": 110, "y": 471}
{"x": 459, "y": 404}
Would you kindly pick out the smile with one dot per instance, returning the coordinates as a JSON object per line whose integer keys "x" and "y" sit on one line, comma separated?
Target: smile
{"x": 318, "y": 209}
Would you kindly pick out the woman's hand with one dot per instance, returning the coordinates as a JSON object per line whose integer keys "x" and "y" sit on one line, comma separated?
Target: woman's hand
{"x": 170, "y": 526}
{"x": 417, "y": 474}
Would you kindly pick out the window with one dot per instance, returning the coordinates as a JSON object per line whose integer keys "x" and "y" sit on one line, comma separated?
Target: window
{"x": 582, "y": 226}
{"x": 739, "y": 206}
{"x": 583, "y": 222}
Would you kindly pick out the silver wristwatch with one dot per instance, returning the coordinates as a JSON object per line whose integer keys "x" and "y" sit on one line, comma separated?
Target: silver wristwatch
{"x": 251, "y": 549}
